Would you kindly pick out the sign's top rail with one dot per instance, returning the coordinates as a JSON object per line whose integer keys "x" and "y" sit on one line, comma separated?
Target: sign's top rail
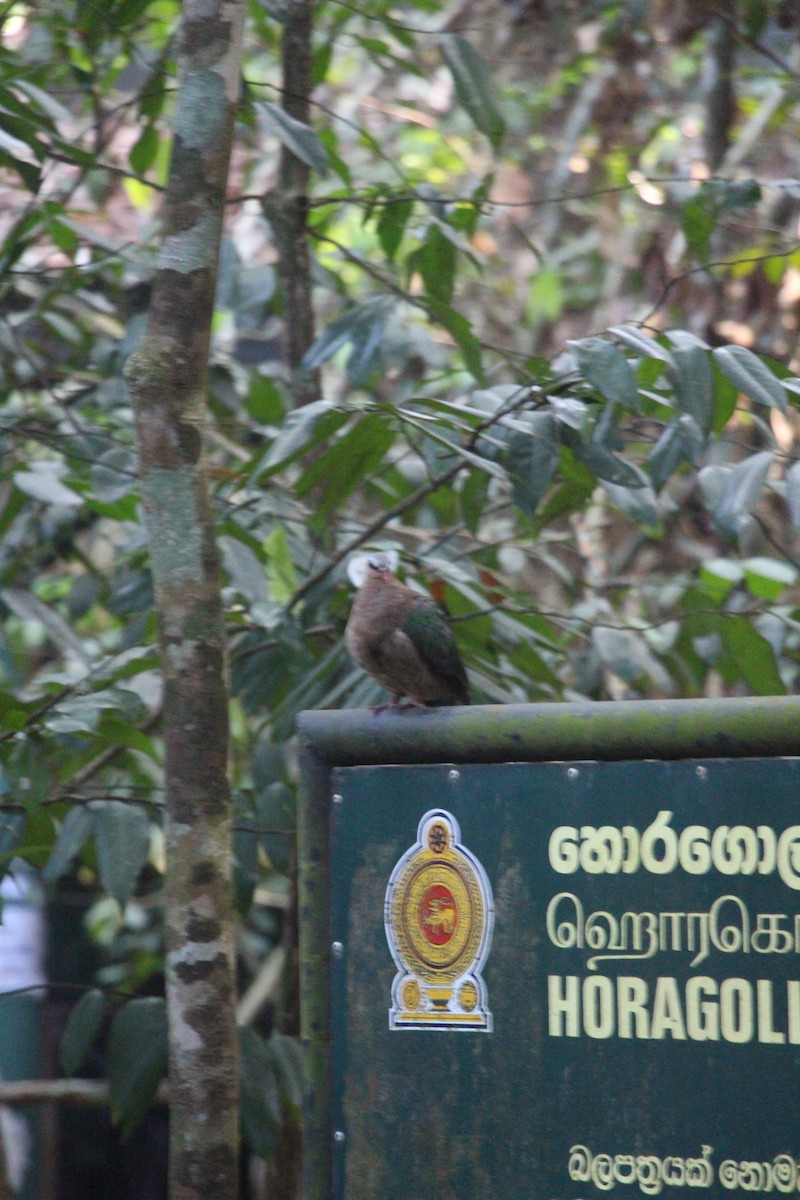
{"x": 762, "y": 726}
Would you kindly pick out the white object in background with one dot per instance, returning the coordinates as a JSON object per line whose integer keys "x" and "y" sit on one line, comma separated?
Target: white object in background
{"x": 22, "y": 934}
{"x": 21, "y": 937}
{"x": 17, "y": 1145}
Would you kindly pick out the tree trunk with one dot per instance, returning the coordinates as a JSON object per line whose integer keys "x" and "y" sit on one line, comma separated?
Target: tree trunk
{"x": 292, "y": 227}
{"x": 167, "y": 380}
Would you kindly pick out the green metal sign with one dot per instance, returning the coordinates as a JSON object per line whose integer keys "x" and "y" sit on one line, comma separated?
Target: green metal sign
{"x": 553, "y": 980}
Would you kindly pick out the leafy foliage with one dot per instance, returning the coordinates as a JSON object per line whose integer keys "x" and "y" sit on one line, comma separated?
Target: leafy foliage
{"x": 137, "y": 1058}
{"x": 561, "y": 385}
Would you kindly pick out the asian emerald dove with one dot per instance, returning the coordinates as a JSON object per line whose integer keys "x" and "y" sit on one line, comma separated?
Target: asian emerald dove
{"x": 403, "y": 640}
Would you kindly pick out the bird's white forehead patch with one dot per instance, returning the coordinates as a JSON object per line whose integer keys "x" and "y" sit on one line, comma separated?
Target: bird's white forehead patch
{"x": 358, "y": 565}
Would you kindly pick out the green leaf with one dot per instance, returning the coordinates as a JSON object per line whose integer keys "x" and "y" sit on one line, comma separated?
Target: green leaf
{"x": 18, "y": 134}
{"x": 301, "y": 430}
{"x": 330, "y": 144}
{"x": 750, "y": 375}
{"x": 606, "y": 432}
{"x": 143, "y": 153}
{"x": 719, "y": 576}
{"x": 602, "y": 462}
{"x": 477, "y": 460}
{"x": 693, "y": 378}
{"x": 579, "y": 483}
{"x": 699, "y": 217}
{"x": 546, "y": 295}
{"x": 533, "y": 459}
{"x": 570, "y": 411}
{"x": 82, "y": 1029}
{"x": 137, "y": 1058}
{"x": 754, "y": 657}
{"x": 362, "y": 329}
{"x": 474, "y": 87}
{"x": 281, "y": 575}
{"x": 640, "y": 342}
{"x": 75, "y": 831}
{"x": 300, "y": 139}
{"x": 731, "y": 493}
{"x": 31, "y": 608}
{"x": 436, "y": 262}
{"x": 468, "y": 343}
{"x": 693, "y": 439}
{"x": 118, "y": 731}
{"x": 260, "y": 1100}
{"x": 740, "y": 193}
{"x": 127, "y": 12}
{"x": 287, "y": 1055}
{"x": 244, "y": 569}
{"x": 122, "y": 838}
{"x": 767, "y": 578}
{"x": 473, "y": 498}
{"x": 606, "y": 368}
{"x": 392, "y": 224}
{"x": 622, "y": 651}
{"x": 638, "y": 503}
{"x": 665, "y": 457}
{"x": 30, "y": 173}
{"x": 276, "y": 810}
{"x": 348, "y": 462}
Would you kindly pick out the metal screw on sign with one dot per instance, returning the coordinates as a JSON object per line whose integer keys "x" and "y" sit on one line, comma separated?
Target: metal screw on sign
{"x": 338, "y": 1135}
{"x": 337, "y": 798}
{"x": 337, "y": 949}
{"x": 572, "y": 772}
{"x": 701, "y": 772}
{"x": 454, "y": 776}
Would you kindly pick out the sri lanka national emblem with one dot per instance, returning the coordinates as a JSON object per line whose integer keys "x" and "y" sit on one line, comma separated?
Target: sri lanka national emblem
{"x": 439, "y": 915}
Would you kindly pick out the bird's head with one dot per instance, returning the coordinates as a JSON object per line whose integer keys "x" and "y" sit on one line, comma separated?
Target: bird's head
{"x": 378, "y": 567}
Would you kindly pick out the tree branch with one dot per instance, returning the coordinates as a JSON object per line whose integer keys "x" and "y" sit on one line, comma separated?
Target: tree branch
{"x": 85, "y": 1093}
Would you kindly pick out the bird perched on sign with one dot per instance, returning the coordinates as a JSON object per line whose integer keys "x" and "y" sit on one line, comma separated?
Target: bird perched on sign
{"x": 403, "y": 639}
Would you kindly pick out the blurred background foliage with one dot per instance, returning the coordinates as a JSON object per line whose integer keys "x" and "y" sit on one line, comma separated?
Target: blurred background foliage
{"x": 552, "y": 361}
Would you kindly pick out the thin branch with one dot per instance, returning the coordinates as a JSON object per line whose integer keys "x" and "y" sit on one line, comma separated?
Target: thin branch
{"x": 121, "y": 172}
{"x": 710, "y": 266}
{"x": 88, "y": 1093}
{"x": 748, "y": 39}
{"x": 386, "y": 21}
{"x": 773, "y": 541}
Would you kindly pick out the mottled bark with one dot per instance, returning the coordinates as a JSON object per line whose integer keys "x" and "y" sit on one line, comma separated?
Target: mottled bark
{"x": 295, "y": 259}
{"x": 167, "y": 381}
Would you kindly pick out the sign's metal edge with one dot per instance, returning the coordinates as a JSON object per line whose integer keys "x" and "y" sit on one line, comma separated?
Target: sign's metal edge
{"x": 741, "y": 727}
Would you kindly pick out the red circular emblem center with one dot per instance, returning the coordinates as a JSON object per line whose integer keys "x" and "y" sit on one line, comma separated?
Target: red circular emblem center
{"x": 438, "y": 915}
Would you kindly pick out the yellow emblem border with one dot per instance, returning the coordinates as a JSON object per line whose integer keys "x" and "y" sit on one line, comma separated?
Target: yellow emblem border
{"x": 438, "y": 984}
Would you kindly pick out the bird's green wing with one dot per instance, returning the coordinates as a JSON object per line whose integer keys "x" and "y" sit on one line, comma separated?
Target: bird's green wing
{"x": 429, "y": 630}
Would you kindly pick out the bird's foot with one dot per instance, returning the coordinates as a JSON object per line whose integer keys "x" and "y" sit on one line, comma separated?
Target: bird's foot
{"x": 396, "y": 704}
